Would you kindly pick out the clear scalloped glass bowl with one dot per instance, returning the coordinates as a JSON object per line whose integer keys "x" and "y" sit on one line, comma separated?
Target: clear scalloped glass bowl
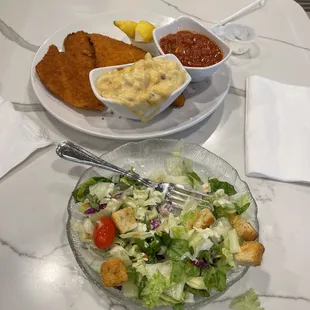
{"x": 146, "y": 156}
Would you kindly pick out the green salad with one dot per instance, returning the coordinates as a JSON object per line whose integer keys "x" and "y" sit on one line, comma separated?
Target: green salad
{"x": 153, "y": 252}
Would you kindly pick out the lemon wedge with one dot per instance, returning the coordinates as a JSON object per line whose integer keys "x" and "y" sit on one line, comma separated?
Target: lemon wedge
{"x": 144, "y": 31}
{"x": 127, "y": 26}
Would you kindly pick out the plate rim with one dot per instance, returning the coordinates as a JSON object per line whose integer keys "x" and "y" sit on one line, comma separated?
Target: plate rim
{"x": 173, "y": 142}
{"x": 117, "y": 136}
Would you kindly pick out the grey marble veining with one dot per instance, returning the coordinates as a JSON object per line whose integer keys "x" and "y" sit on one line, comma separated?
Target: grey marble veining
{"x": 12, "y": 35}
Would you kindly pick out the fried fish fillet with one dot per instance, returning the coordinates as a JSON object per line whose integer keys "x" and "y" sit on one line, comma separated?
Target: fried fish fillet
{"x": 111, "y": 52}
{"x": 179, "y": 102}
{"x": 66, "y": 73}
{"x": 79, "y": 45}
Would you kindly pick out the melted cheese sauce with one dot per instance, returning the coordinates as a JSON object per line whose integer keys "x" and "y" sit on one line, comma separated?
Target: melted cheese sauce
{"x": 144, "y": 86}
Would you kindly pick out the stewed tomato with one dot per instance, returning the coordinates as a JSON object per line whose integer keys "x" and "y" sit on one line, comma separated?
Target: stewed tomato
{"x": 104, "y": 233}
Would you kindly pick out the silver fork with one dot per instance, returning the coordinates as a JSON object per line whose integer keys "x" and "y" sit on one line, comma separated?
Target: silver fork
{"x": 175, "y": 194}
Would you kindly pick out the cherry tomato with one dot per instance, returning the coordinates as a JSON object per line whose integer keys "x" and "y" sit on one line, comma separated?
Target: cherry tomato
{"x": 104, "y": 232}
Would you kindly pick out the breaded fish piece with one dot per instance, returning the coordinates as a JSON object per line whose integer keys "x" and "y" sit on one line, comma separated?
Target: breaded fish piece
{"x": 179, "y": 102}
{"x": 67, "y": 77}
{"x": 111, "y": 52}
{"x": 78, "y": 44}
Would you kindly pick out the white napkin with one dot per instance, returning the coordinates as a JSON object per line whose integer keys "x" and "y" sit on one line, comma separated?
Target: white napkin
{"x": 19, "y": 137}
{"x": 277, "y": 130}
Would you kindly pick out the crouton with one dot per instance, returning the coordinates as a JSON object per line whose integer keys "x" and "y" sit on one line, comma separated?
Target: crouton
{"x": 244, "y": 229}
{"x": 124, "y": 220}
{"x": 206, "y": 218}
{"x": 251, "y": 254}
{"x": 113, "y": 272}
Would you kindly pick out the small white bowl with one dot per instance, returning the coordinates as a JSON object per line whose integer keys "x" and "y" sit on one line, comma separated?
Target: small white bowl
{"x": 122, "y": 109}
{"x": 186, "y": 23}
{"x": 239, "y": 37}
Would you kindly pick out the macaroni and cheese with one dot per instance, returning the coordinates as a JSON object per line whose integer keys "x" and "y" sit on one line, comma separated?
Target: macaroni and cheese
{"x": 143, "y": 86}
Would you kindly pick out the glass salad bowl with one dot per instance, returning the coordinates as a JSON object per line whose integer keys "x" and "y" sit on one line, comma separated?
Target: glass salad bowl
{"x": 146, "y": 156}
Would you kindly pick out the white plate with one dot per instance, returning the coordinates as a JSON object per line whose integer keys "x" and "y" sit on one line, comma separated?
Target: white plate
{"x": 202, "y": 98}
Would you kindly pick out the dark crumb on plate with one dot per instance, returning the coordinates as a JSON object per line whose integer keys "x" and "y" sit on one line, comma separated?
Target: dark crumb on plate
{"x": 119, "y": 117}
{"x": 112, "y": 112}
{"x": 103, "y": 118}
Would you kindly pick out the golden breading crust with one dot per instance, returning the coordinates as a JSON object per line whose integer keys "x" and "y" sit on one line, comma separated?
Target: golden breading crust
{"x": 65, "y": 74}
{"x": 244, "y": 229}
{"x": 111, "y": 52}
{"x": 206, "y": 219}
{"x": 124, "y": 220}
{"x": 179, "y": 102}
{"x": 113, "y": 272}
{"x": 78, "y": 44}
{"x": 251, "y": 254}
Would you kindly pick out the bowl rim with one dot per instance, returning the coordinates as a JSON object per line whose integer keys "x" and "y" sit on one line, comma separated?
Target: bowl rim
{"x": 110, "y": 68}
{"x": 238, "y": 41}
{"x": 178, "y": 20}
{"x": 130, "y": 300}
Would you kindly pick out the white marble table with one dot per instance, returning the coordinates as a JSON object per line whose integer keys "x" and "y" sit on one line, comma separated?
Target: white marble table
{"x": 37, "y": 268}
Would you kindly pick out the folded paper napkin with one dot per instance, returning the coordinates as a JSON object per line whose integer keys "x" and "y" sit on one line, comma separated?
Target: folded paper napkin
{"x": 277, "y": 130}
{"x": 19, "y": 137}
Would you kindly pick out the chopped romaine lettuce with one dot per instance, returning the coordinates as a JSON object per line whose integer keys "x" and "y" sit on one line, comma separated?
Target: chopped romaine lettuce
{"x": 216, "y": 184}
{"x": 242, "y": 203}
{"x": 219, "y": 228}
{"x": 130, "y": 182}
{"x": 176, "y": 291}
{"x": 121, "y": 253}
{"x": 82, "y": 191}
{"x": 196, "y": 283}
{"x": 164, "y": 268}
{"x": 198, "y": 292}
{"x": 153, "y": 289}
{"x": 188, "y": 297}
{"x": 141, "y": 194}
{"x": 177, "y": 271}
{"x": 194, "y": 179}
{"x": 177, "y": 248}
{"x": 140, "y": 266}
{"x": 130, "y": 290}
{"x": 223, "y": 208}
{"x": 88, "y": 226}
{"x": 83, "y": 207}
{"x": 233, "y": 241}
{"x": 101, "y": 190}
{"x": 215, "y": 278}
{"x": 151, "y": 214}
{"x": 136, "y": 234}
{"x": 179, "y": 232}
{"x": 247, "y": 301}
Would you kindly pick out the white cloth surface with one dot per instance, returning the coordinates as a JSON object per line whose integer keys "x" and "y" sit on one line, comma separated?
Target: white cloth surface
{"x": 277, "y": 130}
{"x": 19, "y": 137}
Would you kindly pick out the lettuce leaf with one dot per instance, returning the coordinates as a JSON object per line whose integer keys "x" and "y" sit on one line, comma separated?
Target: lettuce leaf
{"x": 216, "y": 184}
{"x": 247, "y": 301}
{"x": 242, "y": 203}
{"x": 80, "y": 194}
{"x": 176, "y": 272}
{"x": 179, "y": 232}
{"x": 130, "y": 182}
{"x": 101, "y": 190}
{"x": 198, "y": 292}
{"x": 153, "y": 289}
{"x": 177, "y": 248}
{"x": 215, "y": 277}
{"x": 196, "y": 283}
{"x": 223, "y": 208}
{"x": 193, "y": 178}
